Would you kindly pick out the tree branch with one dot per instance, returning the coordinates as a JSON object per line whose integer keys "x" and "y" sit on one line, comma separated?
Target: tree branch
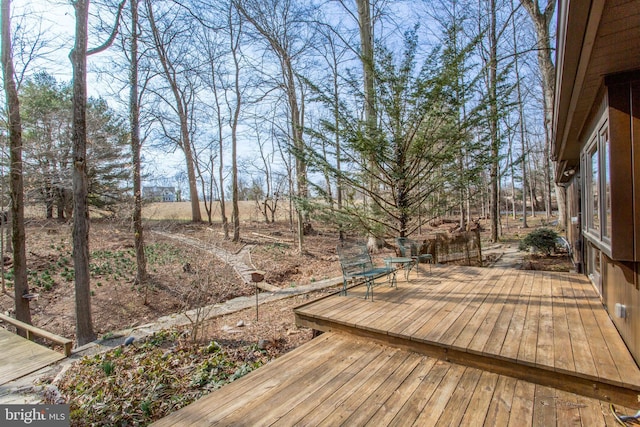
{"x": 113, "y": 35}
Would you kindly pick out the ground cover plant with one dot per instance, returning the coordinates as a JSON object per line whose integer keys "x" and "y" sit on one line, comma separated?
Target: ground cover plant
{"x": 136, "y": 384}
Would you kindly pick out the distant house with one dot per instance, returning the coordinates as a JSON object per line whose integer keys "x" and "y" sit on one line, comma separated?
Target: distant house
{"x": 597, "y": 149}
{"x": 159, "y": 194}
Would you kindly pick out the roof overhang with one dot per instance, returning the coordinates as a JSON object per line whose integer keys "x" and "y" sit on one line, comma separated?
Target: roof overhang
{"x": 595, "y": 38}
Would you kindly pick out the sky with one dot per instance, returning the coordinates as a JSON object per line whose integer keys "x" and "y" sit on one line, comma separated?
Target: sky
{"x": 58, "y": 26}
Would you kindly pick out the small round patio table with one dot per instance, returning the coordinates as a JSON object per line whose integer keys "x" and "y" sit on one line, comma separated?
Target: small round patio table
{"x": 397, "y": 263}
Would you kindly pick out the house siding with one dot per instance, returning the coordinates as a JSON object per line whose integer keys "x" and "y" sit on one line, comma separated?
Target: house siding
{"x": 598, "y": 93}
{"x": 618, "y": 280}
{"x": 620, "y": 286}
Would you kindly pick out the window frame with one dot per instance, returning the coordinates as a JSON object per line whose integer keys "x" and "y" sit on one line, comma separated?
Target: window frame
{"x": 597, "y": 226}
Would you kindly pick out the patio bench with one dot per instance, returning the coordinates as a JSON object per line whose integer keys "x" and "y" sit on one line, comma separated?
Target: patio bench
{"x": 356, "y": 263}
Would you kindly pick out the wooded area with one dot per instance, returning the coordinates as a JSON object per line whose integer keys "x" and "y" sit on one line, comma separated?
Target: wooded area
{"x": 374, "y": 116}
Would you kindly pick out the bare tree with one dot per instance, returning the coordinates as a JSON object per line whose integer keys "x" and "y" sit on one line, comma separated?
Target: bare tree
{"x": 84, "y": 326}
{"x": 21, "y": 287}
{"x": 182, "y": 94}
{"x": 279, "y": 23}
{"x": 521, "y": 120}
{"x": 494, "y": 198}
{"x": 234, "y": 38}
{"x": 542, "y": 19}
{"x": 134, "y": 116}
{"x": 214, "y": 59}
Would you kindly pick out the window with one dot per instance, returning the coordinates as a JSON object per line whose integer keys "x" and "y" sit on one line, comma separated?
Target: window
{"x": 606, "y": 184}
{"x": 597, "y": 190}
{"x": 594, "y": 196}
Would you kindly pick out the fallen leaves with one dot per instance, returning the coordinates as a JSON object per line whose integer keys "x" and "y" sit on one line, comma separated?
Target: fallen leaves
{"x": 136, "y": 384}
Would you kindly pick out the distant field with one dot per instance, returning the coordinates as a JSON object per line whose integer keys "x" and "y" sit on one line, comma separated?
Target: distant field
{"x": 181, "y": 211}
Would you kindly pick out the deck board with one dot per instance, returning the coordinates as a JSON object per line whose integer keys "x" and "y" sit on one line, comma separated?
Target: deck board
{"x": 339, "y": 414}
{"x": 386, "y": 412}
{"x": 355, "y": 382}
{"x": 493, "y": 285}
{"x": 457, "y": 405}
{"x": 503, "y": 318}
{"x": 521, "y": 409}
{"x": 377, "y": 398}
{"x": 460, "y": 346}
{"x": 545, "y": 321}
{"x": 339, "y": 395}
{"x": 338, "y": 382}
{"x": 20, "y": 356}
{"x": 563, "y": 360}
{"x": 513, "y": 337}
{"x": 545, "y": 353}
{"x": 480, "y": 400}
{"x": 436, "y": 406}
{"x": 285, "y": 395}
{"x": 603, "y": 358}
{"x": 529, "y": 340}
{"x": 580, "y": 348}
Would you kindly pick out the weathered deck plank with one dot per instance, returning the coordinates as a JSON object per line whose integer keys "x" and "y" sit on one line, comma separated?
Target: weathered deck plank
{"x": 527, "y": 319}
{"x": 580, "y": 348}
{"x": 545, "y": 353}
{"x": 563, "y": 360}
{"x": 513, "y": 338}
{"x": 20, "y": 356}
{"x": 524, "y": 337}
{"x": 355, "y": 382}
{"x": 529, "y": 340}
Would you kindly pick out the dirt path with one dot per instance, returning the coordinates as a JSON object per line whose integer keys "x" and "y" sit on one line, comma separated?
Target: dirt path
{"x": 235, "y": 260}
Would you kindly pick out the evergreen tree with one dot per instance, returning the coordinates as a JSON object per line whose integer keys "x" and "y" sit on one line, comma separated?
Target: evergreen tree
{"x": 47, "y": 132}
{"x": 411, "y": 156}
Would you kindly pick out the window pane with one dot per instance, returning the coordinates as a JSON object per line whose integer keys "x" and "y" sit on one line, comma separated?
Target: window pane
{"x": 606, "y": 185}
{"x": 594, "y": 184}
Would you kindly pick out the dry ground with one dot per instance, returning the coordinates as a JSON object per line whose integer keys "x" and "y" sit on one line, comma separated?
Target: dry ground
{"x": 181, "y": 276}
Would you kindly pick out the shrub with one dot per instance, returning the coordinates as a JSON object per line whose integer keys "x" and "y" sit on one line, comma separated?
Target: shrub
{"x": 541, "y": 240}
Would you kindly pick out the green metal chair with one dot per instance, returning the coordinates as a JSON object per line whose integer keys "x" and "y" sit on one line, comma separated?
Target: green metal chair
{"x": 356, "y": 263}
{"x": 410, "y": 249}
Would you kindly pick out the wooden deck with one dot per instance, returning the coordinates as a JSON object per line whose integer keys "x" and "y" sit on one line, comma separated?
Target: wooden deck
{"x": 545, "y": 327}
{"x": 341, "y": 380}
{"x": 20, "y": 356}
{"x": 460, "y": 346}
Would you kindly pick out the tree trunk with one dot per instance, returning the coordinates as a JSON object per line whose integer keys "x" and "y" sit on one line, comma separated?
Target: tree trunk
{"x": 196, "y": 215}
{"x": 134, "y": 111}
{"x": 183, "y": 116}
{"x": 235, "y": 215}
{"x": 494, "y": 198}
{"x": 223, "y": 208}
{"x": 304, "y": 224}
{"x": 336, "y": 118}
{"x": 21, "y": 286}
{"x": 522, "y": 122}
{"x": 366, "y": 45}
{"x": 84, "y": 326}
{"x": 367, "y": 58}
{"x": 542, "y": 21}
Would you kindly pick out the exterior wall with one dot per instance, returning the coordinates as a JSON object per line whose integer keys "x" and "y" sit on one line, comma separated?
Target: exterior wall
{"x": 620, "y": 286}
{"x": 612, "y": 258}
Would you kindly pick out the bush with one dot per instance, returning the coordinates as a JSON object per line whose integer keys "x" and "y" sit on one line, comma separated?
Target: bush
{"x": 541, "y": 240}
